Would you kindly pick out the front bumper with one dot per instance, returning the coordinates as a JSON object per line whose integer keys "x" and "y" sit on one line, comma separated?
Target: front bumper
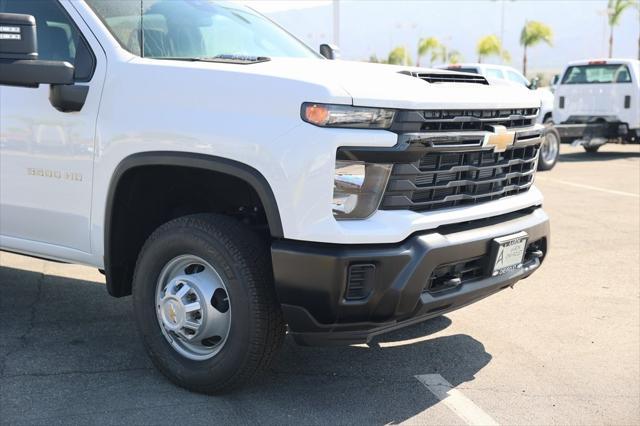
{"x": 311, "y": 279}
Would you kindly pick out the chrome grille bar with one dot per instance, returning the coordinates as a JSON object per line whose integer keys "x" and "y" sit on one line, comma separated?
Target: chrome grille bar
{"x": 462, "y": 120}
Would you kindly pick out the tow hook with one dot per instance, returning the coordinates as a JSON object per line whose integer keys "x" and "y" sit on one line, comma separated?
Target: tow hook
{"x": 532, "y": 259}
{"x": 453, "y": 282}
{"x": 536, "y": 253}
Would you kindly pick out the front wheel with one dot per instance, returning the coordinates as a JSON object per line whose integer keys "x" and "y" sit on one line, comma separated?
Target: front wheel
{"x": 550, "y": 148}
{"x": 205, "y": 303}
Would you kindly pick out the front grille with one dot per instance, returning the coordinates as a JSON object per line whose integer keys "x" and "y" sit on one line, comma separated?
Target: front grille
{"x": 461, "y": 176}
{"x": 451, "y": 78}
{"x": 461, "y": 121}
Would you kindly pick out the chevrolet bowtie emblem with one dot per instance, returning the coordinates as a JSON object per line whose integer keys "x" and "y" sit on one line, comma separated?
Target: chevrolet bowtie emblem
{"x": 500, "y": 139}
{"x": 172, "y": 314}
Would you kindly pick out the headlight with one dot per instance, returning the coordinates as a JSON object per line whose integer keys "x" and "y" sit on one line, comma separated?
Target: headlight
{"x": 347, "y": 116}
{"x": 358, "y": 188}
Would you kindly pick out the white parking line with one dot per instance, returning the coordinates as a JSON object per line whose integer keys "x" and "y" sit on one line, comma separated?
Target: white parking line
{"x": 595, "y": 188}
{"x": 469, "y": 412}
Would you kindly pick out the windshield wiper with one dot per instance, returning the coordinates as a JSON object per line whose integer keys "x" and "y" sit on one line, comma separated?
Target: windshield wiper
{"x": 236, "y": 59}
{"x": 232, "y": 59}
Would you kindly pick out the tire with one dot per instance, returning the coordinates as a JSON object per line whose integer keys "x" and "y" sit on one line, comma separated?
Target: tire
{"x": 591, "y": 148}
{"x": 241, "y": 325}
{"x": 550, "y": 149}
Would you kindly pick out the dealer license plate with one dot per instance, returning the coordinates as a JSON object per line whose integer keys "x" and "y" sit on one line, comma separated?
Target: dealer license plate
{"x": 509, "y": 252}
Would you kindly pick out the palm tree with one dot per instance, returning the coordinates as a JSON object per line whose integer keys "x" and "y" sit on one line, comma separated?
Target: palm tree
{"x": 426, "y": 45}
{"x": 399, "y": 56}
{"x": 439, "y": 54}
{"x": 454, "y": 57}
{"x": 490, "y": 46}
{"x": 443, "y": 54}
{"x": 533, "y": 33}
{"x": 373, "y": 58}
{"x": 615, "y": 10}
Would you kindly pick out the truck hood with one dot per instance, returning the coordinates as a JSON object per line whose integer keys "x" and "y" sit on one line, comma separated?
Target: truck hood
{"x": 390, "y": 86}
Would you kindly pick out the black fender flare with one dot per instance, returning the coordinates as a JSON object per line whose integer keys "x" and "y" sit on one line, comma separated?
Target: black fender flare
{"x": 190, "y": 160}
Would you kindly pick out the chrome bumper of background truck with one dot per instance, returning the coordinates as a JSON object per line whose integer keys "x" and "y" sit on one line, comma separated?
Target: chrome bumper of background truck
{"x": 596, "y": 131}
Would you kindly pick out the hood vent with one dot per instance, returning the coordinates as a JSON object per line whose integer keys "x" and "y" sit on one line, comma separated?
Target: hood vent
{"x": 450, "y": 78}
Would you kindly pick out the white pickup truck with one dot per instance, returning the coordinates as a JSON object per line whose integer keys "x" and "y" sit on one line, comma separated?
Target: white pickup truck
{"x": 598, "y": 101}
{"x": 237, "y": 183}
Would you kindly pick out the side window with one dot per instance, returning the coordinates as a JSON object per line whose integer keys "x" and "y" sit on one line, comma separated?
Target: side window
{"x": 622, "y": 75}
{"x": 514, "y": 76}
{"x": 494, "y": 73}
{"x": 58, "y": 37}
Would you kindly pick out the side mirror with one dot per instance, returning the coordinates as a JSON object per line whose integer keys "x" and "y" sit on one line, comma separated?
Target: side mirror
{"x": 329, "y": 51}
{"x": 554, "y": 83}
{"x": 534, "y": 83}
{"x": 19, "y": 64}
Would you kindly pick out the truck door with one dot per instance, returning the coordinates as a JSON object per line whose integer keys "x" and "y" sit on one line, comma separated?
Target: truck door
{"x": 46, "y": 156}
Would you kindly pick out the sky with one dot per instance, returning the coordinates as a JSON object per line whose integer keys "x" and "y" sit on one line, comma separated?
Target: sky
{"x": 376, "y": 26}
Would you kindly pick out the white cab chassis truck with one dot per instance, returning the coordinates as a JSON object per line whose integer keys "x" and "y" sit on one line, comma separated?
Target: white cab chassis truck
{"x": 240, "y": 186}
{"x": 598, "y": 101}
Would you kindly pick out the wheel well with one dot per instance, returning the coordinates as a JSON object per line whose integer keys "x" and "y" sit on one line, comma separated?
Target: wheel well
{"x": 146, "y": 197}
{"x": 547, "y": 116}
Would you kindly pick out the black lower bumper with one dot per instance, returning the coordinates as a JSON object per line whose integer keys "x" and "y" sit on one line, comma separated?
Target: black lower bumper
{"x": 587, "y": 129}
{"x": 315, "y": 282}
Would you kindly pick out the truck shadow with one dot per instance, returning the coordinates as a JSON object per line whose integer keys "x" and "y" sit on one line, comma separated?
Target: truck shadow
{"x": 70, "y": 353}
{"x": 577, "y": 157}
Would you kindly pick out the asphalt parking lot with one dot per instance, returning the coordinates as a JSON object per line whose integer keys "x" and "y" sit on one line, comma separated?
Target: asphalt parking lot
{"x": 563, "y": 347}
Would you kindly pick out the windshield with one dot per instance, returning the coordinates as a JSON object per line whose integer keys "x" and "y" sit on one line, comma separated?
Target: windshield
{"x": 184, "y": 29}
{"x": 494, "y": 73}
{"x": 597, "y": 74}
{"x": 464, "y": 69}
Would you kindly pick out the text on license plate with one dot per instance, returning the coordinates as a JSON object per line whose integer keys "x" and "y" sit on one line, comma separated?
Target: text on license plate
{"x": 509, "y": 252}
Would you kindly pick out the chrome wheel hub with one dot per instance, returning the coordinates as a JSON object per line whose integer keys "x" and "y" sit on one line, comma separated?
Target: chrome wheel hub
{"x": 180, "y": 308}
{"x": 550, "y": 147}
{"x": 193, "y": 308}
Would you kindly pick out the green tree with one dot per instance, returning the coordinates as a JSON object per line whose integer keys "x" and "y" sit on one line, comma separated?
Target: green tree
{"x": 454, "y": 57}
{"x": 426, "y": 45}
{"x": 373, "y": 58}
{"x": 533, "y": 33}
{"x": 490, "y": 46}
{"x": 440, "y": 54}
{"x": 400, "y": 56}
{"x": 444, "y": 55}
{"x": 615, "y": 10}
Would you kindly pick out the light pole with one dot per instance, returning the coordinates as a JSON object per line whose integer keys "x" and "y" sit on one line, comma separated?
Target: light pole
{"x": 336, "y": 22}
{"x": 604, "y": 13}
{"x": 502, "y": 12}
{"x": 502, "y": 24}
{"x": 411, "y": 28}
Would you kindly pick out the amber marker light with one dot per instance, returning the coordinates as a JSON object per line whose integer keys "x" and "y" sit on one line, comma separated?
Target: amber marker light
{"x": 316, "y": 114}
